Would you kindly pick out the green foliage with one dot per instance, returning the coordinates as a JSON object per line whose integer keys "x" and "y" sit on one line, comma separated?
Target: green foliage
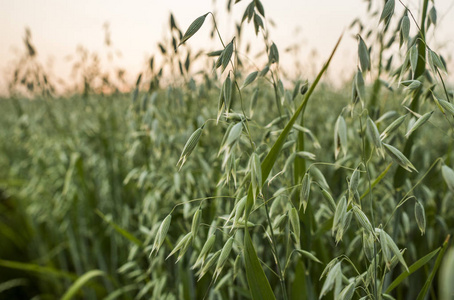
{"x": 98, "y": 192}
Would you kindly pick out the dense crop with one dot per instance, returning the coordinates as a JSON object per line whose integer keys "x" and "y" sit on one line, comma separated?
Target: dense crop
{"x": 233, "y": 185}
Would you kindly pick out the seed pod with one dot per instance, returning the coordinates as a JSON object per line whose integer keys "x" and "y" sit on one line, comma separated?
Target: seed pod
{"x": 420, "y": 216}
{"x": 340, "y": 136}
{"x": 436, "y": 61}
{"x": 189, "y": 146}
{"x": 181, "y": 244}
{"x": 433, "y": 15}
{"x": 343, "y": 225}
{"x": 196, "y": 222}
{"x": 362, "y": 219}
{"x": 304, "y": 88}
{"x": 221, "y": 104}
{"x": 354, "y": 181}
{"x": 223, "y": 256}
{"x": 341, "y": 210}
{"x": 227, "y": 54}
{"x": 280, "y": 222}
{"x": 331, "y": 279}
{"x": 236, "y": 266}
{"x": 205, "y": 250}
{"x": 405, "y": 28}
{"x": 329, "y": 198}
{"x": 363, "y": 54}
{"x": 318, "y": 177}
{"x": 384, "y": 248}
{"x": 254, "y": 100}
{"x": 447, "y": 106}
{"x": 413, "y": 57}
{"x": 309, "y": 255}
{"x": 374, "y": 136}
{"x": 161, "y": 235}
{"x": 227, "y": 87}
{"x": 387, "y": 11}
{"x": 360, "y": 86}
{"x": 448, "y": 176}
{"x": 295, "y": 222}
{"x": 305, "y": 191}
{"x": 399, "y": 158}
{"x": 406, "y": 223}
{"x": 234, "y": 134}
{"x": 264, "y": 71}
{"x": 393, "y": 247}
{"x": 274, "y": 54}
{"x": 193, "y": 28}
{"x": 347, "y": 292}
{"x": 209, "y": 264}
{"x": 392, "y": 127}
{"x": 423, "y": 119}
{"x": 185, "y": 248}
{"x": 239, "y": 210}
{"x": 306, "y": 155}
{"x": 249, "y": 79}
{"x": 368, "y": 245}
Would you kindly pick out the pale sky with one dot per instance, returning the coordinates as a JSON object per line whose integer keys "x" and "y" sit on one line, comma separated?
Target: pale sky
{"x": 59, "y": 26}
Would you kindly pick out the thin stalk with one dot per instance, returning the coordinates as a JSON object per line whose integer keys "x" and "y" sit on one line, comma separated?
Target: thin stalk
{"x": 365, "y": 162}
{"x": 401, "y": 175}
{"x": 276, "y": 257}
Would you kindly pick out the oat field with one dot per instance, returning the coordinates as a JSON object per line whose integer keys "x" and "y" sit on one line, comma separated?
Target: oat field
{"x": 216, "y": 177}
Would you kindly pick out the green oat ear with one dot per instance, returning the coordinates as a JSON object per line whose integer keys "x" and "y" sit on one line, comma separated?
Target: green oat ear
{"x": 80, "y": 282}
{"x": 448, "y": 176}
{"x": 399, "y": 158}
{"x": 193, "y": 28}
{"x": 249, "y": 79}
{"x": 189, "y": 146}
{"x": 363, "y": 54}
{"x": 388, "y": 10}
{"x": 420, "y": 217}
{"x": 161, "y": 235}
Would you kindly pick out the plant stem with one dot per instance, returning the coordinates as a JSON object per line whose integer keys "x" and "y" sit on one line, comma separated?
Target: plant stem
{"x": 276, "y": 257}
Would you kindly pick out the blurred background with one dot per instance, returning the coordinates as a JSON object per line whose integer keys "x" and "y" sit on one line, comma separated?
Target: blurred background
{"x": 124, "y": 35}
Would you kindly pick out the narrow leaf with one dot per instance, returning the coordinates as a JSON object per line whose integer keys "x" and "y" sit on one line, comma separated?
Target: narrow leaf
{"x": 120, "y": 230}
{"x": 80, "y": 282}
{"x": 413, "y": 268}
{"x": 259, "y": 286}
{"x": 428, "y": 283}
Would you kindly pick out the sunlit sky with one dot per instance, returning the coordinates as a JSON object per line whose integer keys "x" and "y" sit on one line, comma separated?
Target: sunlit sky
{"x": 59, "y": 26}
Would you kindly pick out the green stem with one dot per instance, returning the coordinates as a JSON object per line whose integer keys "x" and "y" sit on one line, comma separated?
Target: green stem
{"x": 276, "y": 257}
{"x": 401, "y": 174}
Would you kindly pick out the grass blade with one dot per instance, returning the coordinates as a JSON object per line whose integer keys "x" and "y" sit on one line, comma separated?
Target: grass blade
{"x": 120, "y": 230}
{"x": 35, "y": 268}
{"x": 425, "y": 289}
{"x": 80, "y": 282}
{"x": 413, "y": 268}
{"x": 272, "y": 156}
{"x": 258, "y": 283}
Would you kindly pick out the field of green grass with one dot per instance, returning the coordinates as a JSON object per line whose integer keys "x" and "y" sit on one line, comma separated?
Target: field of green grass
{"x": 234, "y": 182}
